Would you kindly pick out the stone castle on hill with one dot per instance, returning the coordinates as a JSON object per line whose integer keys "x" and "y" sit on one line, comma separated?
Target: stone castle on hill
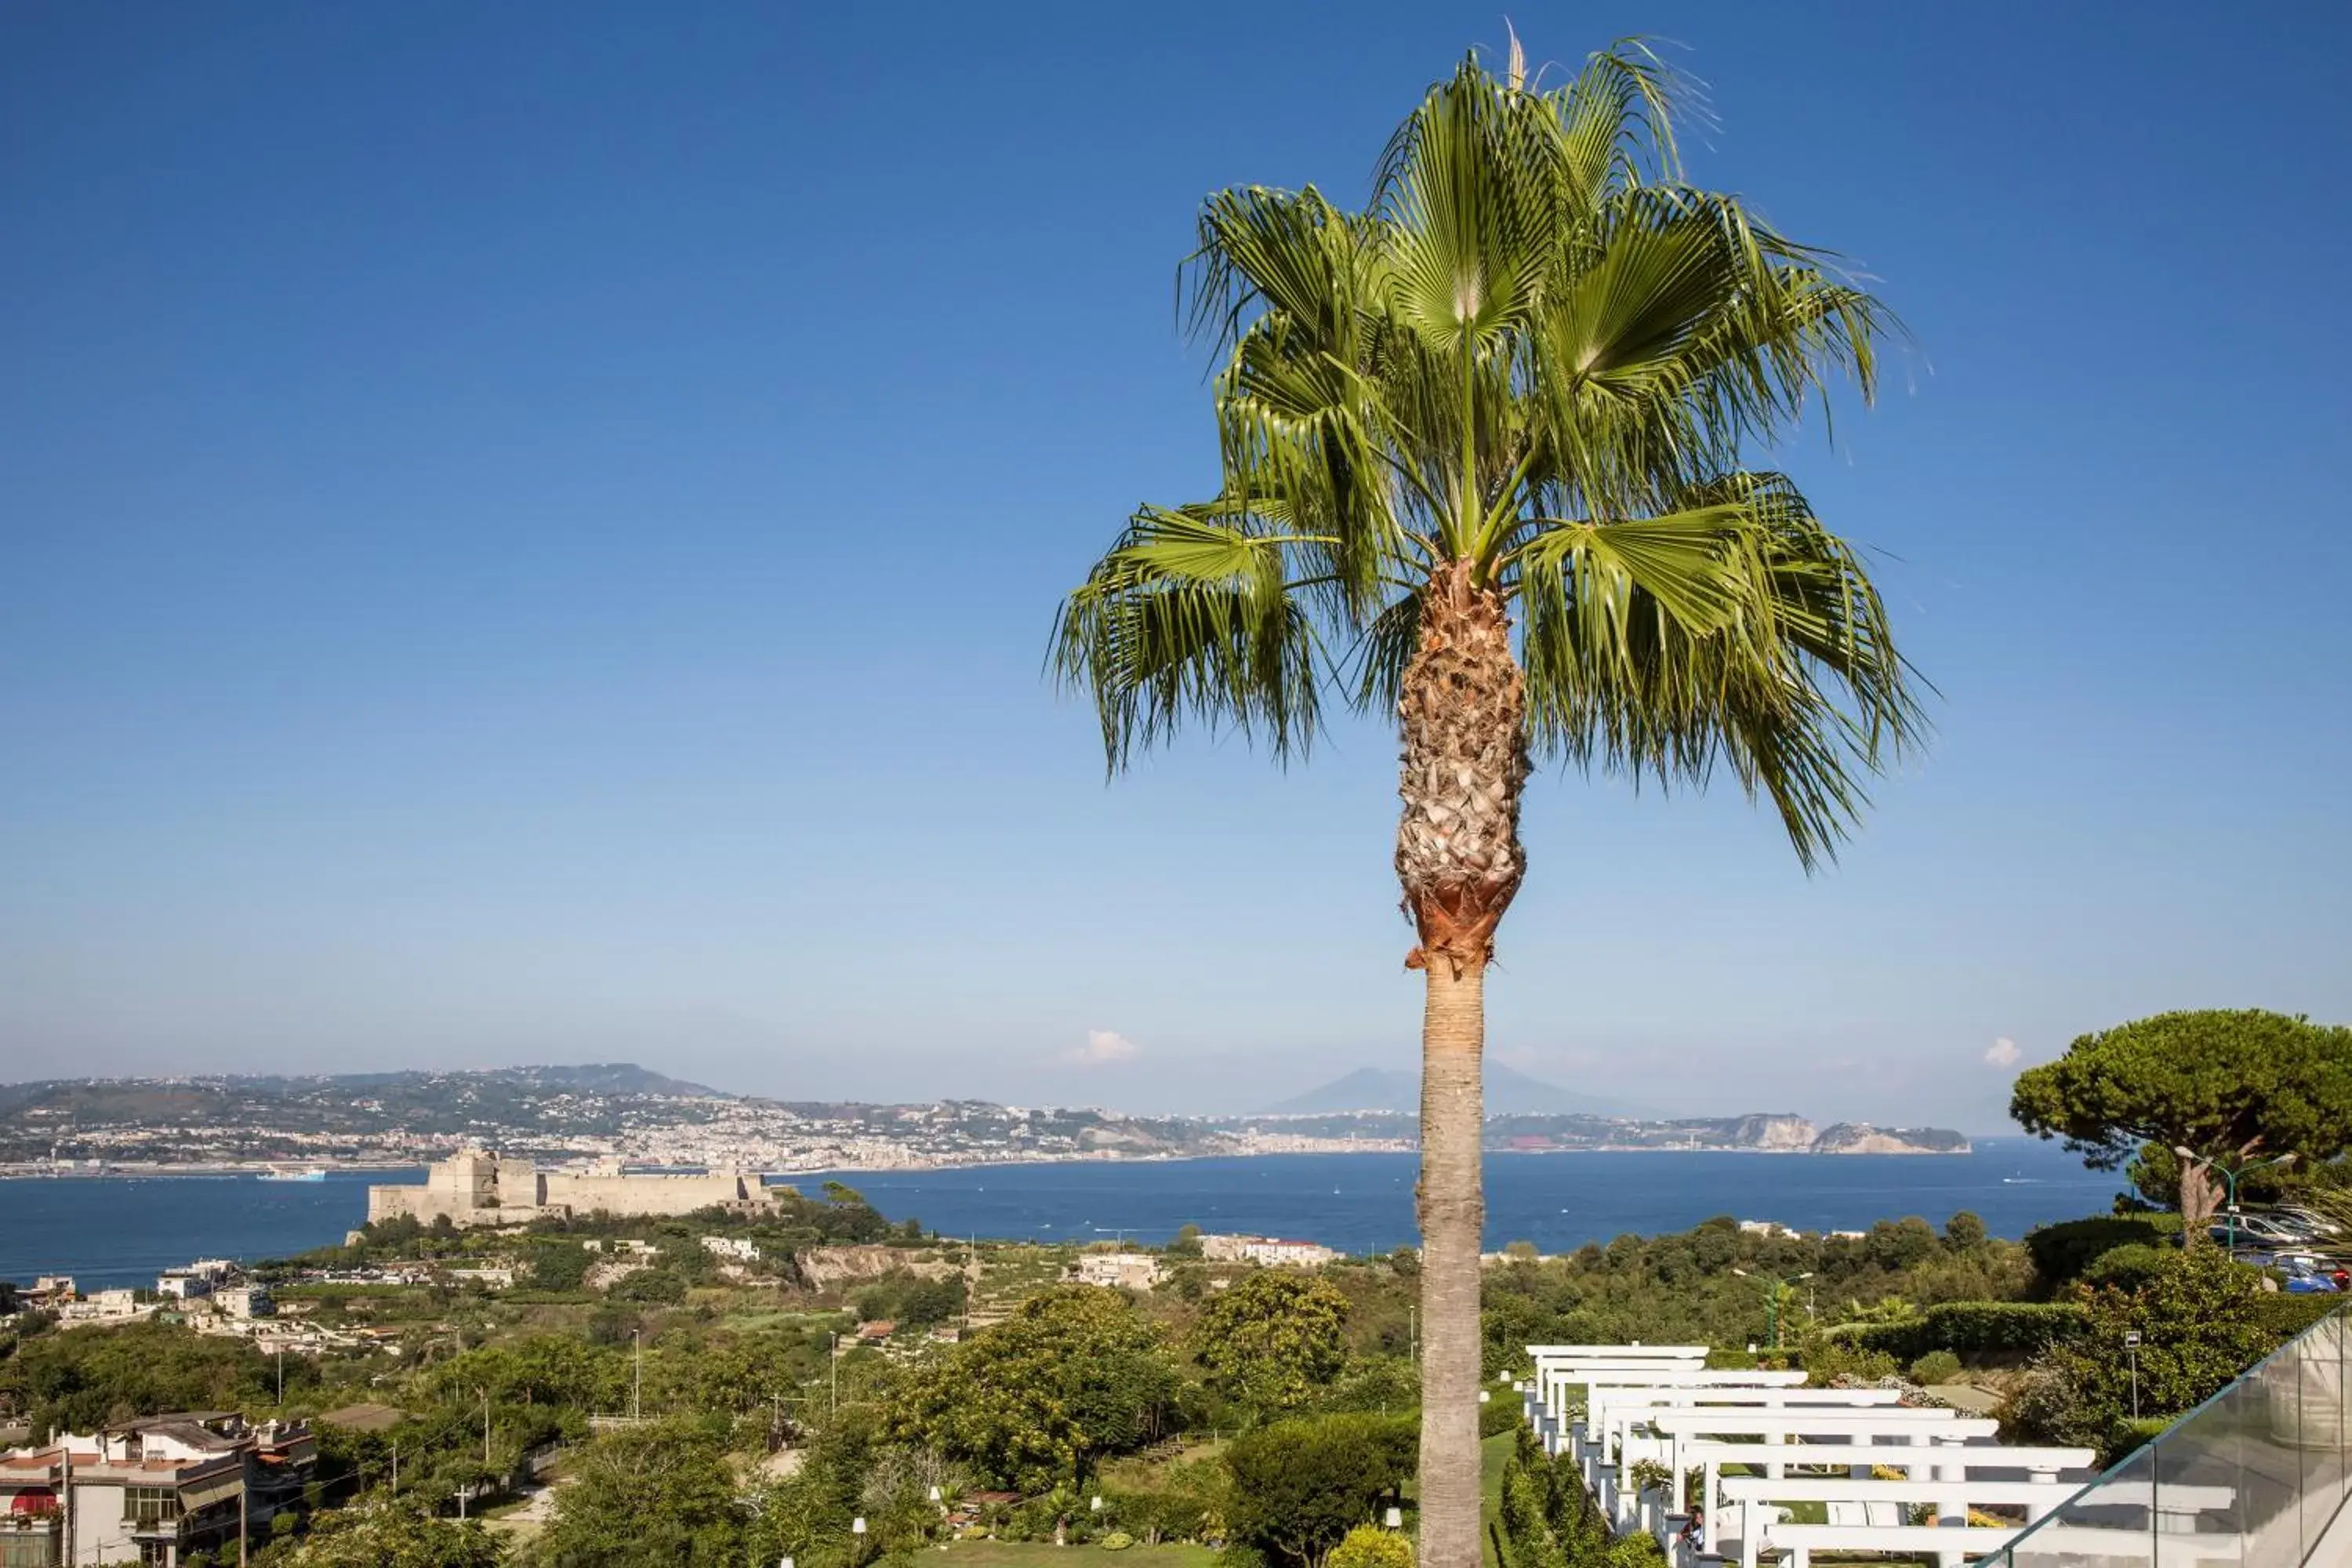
{"x": 479, "y": 1188}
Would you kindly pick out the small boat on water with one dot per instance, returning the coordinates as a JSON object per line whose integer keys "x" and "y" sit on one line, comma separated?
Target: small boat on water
{"x": 294, "y": 1173}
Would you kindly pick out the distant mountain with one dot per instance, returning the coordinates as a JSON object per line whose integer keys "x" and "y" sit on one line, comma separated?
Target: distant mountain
{"x": 586, "y": 1077}
{"x": 1509, "y": 1092}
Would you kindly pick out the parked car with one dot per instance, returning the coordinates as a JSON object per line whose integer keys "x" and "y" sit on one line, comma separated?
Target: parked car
{"x": 2295, "y": 1215}
{"x": 2305, "y": 1278}
{"x": 2260, "y": 1230}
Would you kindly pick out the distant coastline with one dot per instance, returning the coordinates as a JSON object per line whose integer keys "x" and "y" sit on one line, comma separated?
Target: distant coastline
{"x": 216, "y": 1171}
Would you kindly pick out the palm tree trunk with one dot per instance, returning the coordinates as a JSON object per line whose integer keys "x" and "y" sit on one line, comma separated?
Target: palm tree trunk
{"x": 1453, "y": 1213}
{"x": 1462, "y": 716}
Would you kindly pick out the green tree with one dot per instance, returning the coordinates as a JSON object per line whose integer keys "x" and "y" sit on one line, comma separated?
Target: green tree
{"x": 1481, "y": 449}
{"x": 1298, "y": 1487}
{"x": 385, "y": 1534}
{"x": 1895, "y": 1245}
{"x": 560, "y": 1369}
{"x": 1274, "y": 1340}
{"x": 660, "y": 1496}
{"x": 1964, "y": 1232}
{"x": 2225, "y": 1084}
{"x": 73, "y": 1381}
{"x": 1071, "y": 1376}
{"x": 559, "y": 1265}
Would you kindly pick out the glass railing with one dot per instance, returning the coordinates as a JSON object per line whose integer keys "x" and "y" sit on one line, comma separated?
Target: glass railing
{"x": 2254, "y": 1476}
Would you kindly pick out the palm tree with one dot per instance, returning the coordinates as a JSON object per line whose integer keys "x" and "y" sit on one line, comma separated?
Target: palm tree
{"x": 1480, "y": 450}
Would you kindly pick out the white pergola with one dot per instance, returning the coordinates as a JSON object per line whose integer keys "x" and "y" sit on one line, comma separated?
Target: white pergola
{"x": 1663, "y": 1403}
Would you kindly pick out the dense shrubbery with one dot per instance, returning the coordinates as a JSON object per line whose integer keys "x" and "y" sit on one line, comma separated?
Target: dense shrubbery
{"x": 392, "y": 1536}
{"x": 2201, "y": 1321}
{"x": 1970, "y": 1328}
{"x": 1369, "y": 1546}
{"x": 1298, "y": 1487}
{"x": 2128, "y": 1267}
{"x": 2062, "y": 1252}
{"x": 1185, "y": 1506}
{"x": 1549, "y": 1521}
{"x": 911, "y": 1301}
{"x": 2282, "y": 1316}
{"x": 76, "y": 1379}
{"x": 1680, "y": 1287}
{"x": 1072, "y": 1377}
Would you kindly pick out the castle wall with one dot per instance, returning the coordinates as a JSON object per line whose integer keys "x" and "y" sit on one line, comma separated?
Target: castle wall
{"x": 646, "y": 1195}
{"x": 482, "y": 1189}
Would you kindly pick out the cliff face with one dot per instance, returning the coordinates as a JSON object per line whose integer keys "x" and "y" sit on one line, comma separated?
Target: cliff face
{"x": 1862, "y": 1138}
{"x": 1772, "y": 1133}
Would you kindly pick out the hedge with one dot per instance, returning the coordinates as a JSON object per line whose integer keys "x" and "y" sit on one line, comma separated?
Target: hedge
{"x": 2060, "y": 1252}
{"x": 1971, "y": 1328}
{"x": 2287, "y": 1315}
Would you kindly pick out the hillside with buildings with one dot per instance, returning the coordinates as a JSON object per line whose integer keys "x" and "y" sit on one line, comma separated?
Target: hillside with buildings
{"x": 572, "y": 1117}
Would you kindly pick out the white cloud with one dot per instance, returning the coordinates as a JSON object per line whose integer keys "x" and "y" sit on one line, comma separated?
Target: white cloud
{"x": 1103, "y": 1047}
{"x": 2002, "y": 1053}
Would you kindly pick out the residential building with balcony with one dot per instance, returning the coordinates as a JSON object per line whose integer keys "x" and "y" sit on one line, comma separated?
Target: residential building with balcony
{"x": 151, "y": 1491}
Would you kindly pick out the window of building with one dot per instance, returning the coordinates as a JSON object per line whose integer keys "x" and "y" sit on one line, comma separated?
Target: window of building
{"x": 155, "y": 1553}
{"x": 150, "y": 1505}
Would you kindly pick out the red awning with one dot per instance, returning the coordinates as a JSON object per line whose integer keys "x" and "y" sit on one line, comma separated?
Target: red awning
{"x": 34, "y": 1502}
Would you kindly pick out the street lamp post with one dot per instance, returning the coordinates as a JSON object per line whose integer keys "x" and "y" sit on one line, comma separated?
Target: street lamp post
{"x": 2131, "y": 1349}
{"x": 1772, "y": 1288}
{"x": 2229, "y": 1179}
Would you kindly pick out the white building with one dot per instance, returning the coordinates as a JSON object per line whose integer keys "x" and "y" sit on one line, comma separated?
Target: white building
{"x": 104, "y": 1307}
{"x": 1272, "y": 1250}
{"x": 182, "y": 1286}
{"x": 246, "y": 1301}
{"x": 490, "y": 1276}
{"x": 742, "y": 1249}
{"x": 1119, "y": 1270}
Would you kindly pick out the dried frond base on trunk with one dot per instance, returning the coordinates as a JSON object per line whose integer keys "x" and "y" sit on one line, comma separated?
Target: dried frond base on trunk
{"x": 1463, "y": 718}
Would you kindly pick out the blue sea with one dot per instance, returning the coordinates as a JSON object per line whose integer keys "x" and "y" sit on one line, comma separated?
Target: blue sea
{"x": 108, "y": 1231}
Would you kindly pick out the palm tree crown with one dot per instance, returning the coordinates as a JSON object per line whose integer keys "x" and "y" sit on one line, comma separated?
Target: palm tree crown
{"x": 1527, "y": 373}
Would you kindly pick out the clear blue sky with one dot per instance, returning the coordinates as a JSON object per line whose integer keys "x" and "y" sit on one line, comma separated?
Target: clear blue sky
{"x": 527, "y": 533}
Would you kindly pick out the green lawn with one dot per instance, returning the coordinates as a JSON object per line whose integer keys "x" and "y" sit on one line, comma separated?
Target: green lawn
{"x": 1493, "y": 1453}
{"x": 1045, "y": 1555}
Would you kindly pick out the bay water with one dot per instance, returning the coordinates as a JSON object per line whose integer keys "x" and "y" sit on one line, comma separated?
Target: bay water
{"x": 118, "y": 1230}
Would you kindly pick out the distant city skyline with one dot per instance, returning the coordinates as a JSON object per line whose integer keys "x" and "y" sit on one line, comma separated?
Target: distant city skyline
{"x": 530, "y": 535}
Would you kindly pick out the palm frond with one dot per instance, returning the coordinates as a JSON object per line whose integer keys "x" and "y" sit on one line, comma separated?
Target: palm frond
{"x": 1737, "y": 631}
{"x": 1382, "y": 651}
{"x": 1616, "y": 123}
{"x": 1469, "y": 203}
{"x": 1191, "y": 616}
